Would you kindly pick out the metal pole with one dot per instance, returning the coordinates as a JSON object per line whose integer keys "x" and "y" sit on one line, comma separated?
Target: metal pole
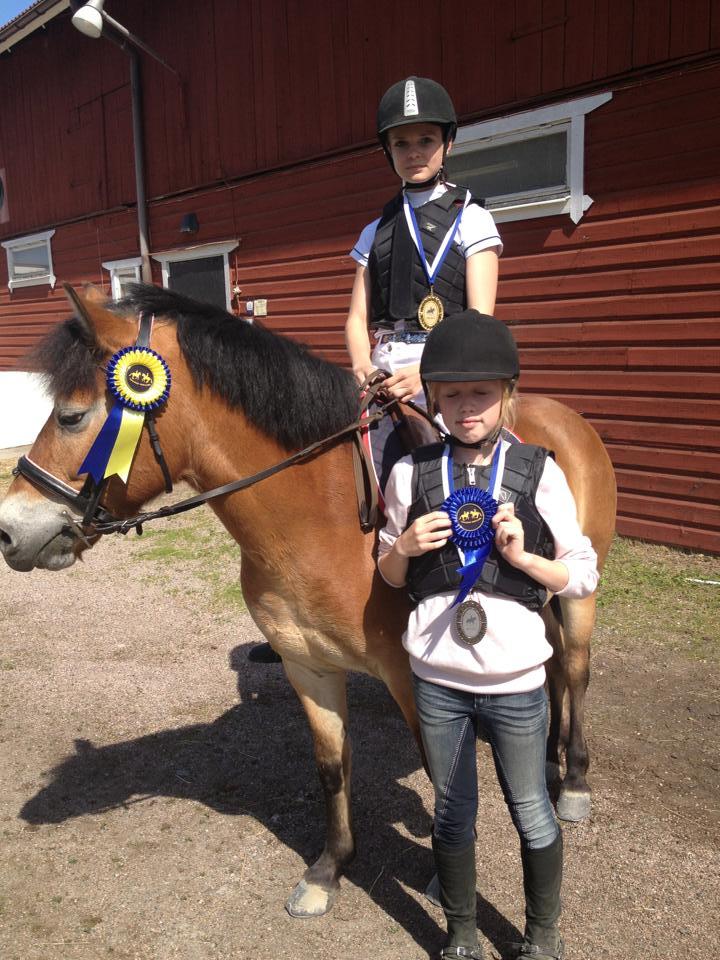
{"x": 139, "y": 149}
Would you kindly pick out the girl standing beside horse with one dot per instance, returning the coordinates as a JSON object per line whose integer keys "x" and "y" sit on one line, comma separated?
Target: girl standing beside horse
{"x": 476, "y": 642}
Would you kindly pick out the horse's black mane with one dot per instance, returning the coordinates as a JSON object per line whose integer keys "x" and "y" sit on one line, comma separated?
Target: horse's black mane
{"x": 281, "y": 387}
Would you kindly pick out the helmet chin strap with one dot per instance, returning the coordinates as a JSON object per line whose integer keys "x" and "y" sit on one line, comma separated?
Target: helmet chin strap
{"x": 426, "y": 184}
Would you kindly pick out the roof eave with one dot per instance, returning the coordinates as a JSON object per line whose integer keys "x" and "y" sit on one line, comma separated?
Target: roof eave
{"x": 29, "y": 21}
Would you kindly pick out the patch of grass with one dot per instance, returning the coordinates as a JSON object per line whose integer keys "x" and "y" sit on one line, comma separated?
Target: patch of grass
{"x": 200, "y": 543}
{"x": 174, "y": 543}
{"x": 647, "y": 590}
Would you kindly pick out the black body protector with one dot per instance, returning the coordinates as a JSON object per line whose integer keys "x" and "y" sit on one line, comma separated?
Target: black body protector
{"x": 436, "y": 571}
{"x": 398, "y": 281}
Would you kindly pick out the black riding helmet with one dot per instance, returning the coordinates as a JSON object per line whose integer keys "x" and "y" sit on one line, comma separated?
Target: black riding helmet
{"x": 416, "y": 100}
{"x": 469, "y": 346}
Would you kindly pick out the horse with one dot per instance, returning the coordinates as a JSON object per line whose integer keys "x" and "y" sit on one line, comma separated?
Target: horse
{"x": 242, "y": 398}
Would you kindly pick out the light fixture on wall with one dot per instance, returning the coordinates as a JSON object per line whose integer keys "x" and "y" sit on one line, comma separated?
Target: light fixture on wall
{"x": 88, "y": 19}
{"x": 189, "y": 223}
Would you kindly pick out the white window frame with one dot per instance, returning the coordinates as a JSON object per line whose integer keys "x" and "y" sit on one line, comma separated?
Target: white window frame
{"x": 24, "y": 243}
{"x": 569, "y": 116}
{"x": 114, "y": 266}
{"x": 199, "y": 252}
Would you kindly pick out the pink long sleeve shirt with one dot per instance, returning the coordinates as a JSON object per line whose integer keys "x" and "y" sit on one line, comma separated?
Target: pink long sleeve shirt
{"x": 510, "y": 657}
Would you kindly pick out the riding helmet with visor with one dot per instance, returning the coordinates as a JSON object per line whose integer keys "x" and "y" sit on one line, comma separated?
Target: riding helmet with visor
{"x": 416, "y": 100}
{"x": 470, "y": 346}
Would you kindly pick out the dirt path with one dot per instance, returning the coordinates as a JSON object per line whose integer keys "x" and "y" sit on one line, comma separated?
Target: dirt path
{"x": 159, "y": 799}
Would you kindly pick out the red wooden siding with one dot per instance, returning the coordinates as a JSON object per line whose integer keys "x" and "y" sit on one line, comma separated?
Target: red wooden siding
{"x": 617, "y": 316}
{"x": 268, "y": 83}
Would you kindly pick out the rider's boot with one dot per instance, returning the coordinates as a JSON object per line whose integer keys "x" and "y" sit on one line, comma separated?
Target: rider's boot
{"x": 542, "y": 877}
{"x": 456, "y": 874}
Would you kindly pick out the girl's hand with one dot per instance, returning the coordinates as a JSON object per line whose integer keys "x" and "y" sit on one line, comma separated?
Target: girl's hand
{"x": 362, "y": 371}
{"x": 427, "y": 533}
{"x": 404, "y": 384}
{"x": 509, "y": 534}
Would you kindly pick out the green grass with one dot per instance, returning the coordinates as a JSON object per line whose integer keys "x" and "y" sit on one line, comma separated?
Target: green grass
{"x": 204, "y": 547}
{"x": 647, "y": 591}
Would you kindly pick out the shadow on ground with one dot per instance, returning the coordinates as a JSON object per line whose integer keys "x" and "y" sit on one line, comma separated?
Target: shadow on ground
{"x": 256, "y": 760}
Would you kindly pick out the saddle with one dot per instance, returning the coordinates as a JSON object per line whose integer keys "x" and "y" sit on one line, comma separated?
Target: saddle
{"x": 379, "y": 446}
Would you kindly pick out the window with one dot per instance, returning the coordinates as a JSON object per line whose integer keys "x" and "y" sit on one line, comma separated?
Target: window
{"x": 123, "y": 272}
{"x": 201, "y": 272}
{"x": 527, "y": 165}
{"x": 30, "y": 260}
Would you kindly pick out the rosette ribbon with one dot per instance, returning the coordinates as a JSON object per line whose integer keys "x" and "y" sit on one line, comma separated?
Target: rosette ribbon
{"x": 139, "y": 380}
{"x": 471, "y": 511}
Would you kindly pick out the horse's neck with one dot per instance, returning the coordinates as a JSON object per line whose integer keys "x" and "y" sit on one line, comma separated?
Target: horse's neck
{"x": 271, "y": 518}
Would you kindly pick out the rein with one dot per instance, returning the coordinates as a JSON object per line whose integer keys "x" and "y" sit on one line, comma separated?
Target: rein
{"x": 103, "y": 521}
{"x": 97, "y": 520}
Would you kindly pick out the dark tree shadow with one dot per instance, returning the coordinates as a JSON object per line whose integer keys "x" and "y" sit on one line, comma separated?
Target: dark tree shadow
{"x": 256, "y": 759}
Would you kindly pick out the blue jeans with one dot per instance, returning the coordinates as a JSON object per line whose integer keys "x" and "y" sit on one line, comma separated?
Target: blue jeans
{"x": 515, "y": 726}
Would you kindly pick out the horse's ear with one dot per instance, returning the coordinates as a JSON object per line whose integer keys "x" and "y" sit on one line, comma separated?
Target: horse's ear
{"x": 109, "y": 331}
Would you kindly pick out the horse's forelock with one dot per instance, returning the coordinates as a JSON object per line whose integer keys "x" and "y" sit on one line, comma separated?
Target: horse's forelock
{"x": 68, "y": 359}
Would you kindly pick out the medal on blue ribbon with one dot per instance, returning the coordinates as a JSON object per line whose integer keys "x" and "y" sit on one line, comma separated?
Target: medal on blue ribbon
{"x": 139, "y": 380}
{"x": 431, "y": 310}
{"x": 471, "y": 511}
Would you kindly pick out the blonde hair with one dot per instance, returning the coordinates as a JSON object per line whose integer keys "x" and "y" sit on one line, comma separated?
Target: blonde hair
{"x": 508, "y": 406}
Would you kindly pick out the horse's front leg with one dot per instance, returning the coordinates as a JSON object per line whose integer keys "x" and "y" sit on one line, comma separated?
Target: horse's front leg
{"x": 323, "y": 696}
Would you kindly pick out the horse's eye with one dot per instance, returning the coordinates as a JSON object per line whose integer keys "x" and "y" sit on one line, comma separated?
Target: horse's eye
{"x": 70, "y": 419}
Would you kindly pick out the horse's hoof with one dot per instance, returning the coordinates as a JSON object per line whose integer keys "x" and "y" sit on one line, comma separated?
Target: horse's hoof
{"x": 552, "y": 772}
{"x": 432, "y": 891}
{"x": 309, "y": 900}
{"x": 573, "y": 805}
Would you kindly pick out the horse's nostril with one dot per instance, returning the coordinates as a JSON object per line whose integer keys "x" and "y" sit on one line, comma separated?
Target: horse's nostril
{"x": 5, "y": 539}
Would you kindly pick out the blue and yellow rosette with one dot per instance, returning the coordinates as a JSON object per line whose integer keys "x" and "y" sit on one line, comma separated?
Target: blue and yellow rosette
{"x": 139, "y": 380}
{"x": 471, "y": 511}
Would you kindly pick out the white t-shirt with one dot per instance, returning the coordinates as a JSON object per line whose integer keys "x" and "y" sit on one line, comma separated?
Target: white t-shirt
{"x": 510, "y": 657}
{"x": 477, "y": 230}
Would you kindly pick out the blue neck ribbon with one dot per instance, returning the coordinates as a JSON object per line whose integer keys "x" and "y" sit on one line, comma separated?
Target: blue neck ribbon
{"x": 476, "y": 544}
{"x": 431, "y": 271}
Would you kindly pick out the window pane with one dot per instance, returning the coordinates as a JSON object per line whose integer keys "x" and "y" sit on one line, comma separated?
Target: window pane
{"x": 537, "y": 165}
{"x": 202, "y": 279}
{"x": 31, "y": 262}
{"x": 124, "y": 276}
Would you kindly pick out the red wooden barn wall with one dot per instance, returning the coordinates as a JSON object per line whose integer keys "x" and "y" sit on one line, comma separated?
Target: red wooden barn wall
{"x": 616, "y": 316}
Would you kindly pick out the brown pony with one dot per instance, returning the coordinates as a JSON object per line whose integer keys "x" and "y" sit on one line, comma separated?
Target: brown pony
{"x": 241, "y": 399}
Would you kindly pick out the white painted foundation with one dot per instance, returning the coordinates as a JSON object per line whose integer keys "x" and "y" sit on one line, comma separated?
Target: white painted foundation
{"x": 24, "y": 408}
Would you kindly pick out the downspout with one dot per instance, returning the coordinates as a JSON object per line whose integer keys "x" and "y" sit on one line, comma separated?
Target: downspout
{"x": 139, "y": 151}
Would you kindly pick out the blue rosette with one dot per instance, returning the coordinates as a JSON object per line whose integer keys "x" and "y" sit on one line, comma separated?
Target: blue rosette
{"x": 471, "y": 511}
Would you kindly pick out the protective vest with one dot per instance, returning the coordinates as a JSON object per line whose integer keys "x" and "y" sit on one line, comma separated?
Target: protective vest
{"x": 436, "y": 571}
{"x": 397, "y": 279}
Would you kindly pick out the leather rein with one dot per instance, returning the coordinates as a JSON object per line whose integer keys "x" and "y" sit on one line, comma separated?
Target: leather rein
{"x": 97, "y": 520}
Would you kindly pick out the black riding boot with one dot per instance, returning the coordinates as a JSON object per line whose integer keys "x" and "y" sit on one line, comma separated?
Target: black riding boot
{"x": 456, "y": 873}
{"x": 542, "y": 877}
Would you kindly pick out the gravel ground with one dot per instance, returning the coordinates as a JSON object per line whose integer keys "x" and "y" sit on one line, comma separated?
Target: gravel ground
{"x": 159, "y": 799}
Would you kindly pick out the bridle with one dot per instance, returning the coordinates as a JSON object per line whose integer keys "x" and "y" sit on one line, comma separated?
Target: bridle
{"x": 98, "y": 520}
